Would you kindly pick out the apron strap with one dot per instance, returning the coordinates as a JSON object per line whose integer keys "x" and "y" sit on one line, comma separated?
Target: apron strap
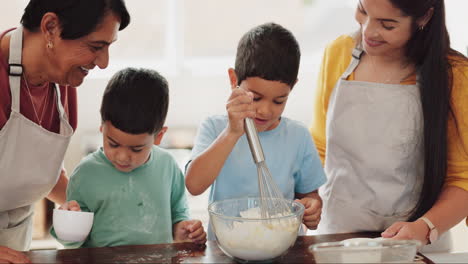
{"x": 60, "y": 108}
{"x": 356, "y": 57}
{"x": 15, "y": 68}
{"x": 15, "y": 71}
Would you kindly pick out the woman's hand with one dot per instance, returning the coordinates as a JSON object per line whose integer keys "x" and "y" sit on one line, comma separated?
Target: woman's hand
{"x": 239, "y": 106}
{"x": 70, "y": 206}
{"x": 189, "y": 231}
{"x": 8, "y": 255}
{"x": 417, "y": 230}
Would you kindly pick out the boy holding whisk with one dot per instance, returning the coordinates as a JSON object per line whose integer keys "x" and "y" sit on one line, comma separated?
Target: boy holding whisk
{"x": 266, "y": 68}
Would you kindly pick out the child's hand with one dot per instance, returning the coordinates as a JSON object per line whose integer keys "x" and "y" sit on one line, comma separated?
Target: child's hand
{"x": 312, "y": 212}
{"x": 239, "y": 106}
{"x": 70, "y": 206}
{"x": 189, "y": 231}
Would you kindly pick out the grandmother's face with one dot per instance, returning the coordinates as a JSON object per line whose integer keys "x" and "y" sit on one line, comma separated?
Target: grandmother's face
{"x": 71, "y": 60}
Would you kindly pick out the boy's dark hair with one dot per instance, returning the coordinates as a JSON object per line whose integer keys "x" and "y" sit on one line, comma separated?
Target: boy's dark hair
{"x": 78, "y": 18}
{"x": 136, "y": 101}
{"x": 268, "y": 51}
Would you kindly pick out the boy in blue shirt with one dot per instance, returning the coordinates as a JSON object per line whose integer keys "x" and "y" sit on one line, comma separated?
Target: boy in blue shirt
{"x": 266, "y": 68}
{"x": 135, "y": 188}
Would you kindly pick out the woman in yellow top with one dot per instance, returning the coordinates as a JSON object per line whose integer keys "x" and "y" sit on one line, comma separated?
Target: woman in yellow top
{"x": 391, "y": 124}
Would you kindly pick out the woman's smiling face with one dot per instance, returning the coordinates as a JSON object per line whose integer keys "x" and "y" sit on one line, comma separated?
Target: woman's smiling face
{"x": 385, "y": 29}
{"x": 71, "y": 60}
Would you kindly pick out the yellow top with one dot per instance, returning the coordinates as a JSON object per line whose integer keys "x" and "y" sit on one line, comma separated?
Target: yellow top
{"x": 336, "y": 59}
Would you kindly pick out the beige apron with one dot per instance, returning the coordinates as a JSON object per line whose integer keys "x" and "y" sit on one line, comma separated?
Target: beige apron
{"x": 30, "y": 159}
{"x": 375, "y": 155}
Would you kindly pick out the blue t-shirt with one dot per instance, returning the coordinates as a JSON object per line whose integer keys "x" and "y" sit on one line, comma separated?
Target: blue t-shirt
{"x": 290, "y": 155}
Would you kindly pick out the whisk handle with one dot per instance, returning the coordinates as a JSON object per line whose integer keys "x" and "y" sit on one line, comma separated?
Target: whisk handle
{"x": 254, "y": 141}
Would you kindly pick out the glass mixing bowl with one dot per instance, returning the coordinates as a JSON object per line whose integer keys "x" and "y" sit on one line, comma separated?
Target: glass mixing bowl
{"x": 243, "y": 235}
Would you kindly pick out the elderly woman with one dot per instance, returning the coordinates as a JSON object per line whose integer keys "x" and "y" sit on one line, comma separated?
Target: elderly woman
{"x": 41, "y": 63}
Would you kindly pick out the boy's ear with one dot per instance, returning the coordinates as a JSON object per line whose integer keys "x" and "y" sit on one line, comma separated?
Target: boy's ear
{"x": 100, "y": 128}
{"x": 159, "y": 136}
{"x": 232, "y": 78}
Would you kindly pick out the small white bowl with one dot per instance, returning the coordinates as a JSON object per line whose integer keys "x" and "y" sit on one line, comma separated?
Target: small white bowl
{"x": 72, "y": 226}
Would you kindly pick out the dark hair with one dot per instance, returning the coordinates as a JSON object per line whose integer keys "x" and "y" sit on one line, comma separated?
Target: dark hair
{"x": 429, "y": 48}
{"x": 268, "y": 51}
{"x": 78, "y": 18}
{"x": 136, "y": 101}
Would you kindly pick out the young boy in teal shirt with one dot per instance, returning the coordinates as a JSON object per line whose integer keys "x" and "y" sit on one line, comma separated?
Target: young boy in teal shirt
{"x": 266, "y": 68}
{"x": 135, "y": 188}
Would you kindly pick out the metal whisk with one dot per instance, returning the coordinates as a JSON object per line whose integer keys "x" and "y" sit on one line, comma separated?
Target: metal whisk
{"x": 272, "y": 201}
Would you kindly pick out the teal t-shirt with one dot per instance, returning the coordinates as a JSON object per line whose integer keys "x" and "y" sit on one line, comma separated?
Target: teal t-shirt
{"x": 130, "y": 208}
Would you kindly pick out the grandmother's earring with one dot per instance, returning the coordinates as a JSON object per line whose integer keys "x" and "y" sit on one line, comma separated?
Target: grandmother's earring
{"x": 421, "y": 27}
{"x": 50, "y": 45}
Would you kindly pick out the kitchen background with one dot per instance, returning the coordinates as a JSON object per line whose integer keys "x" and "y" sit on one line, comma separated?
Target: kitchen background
{"x": 193, "y": 43}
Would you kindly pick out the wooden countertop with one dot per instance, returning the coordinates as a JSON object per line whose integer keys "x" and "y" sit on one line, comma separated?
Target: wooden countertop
{"x": 180, "y": 252}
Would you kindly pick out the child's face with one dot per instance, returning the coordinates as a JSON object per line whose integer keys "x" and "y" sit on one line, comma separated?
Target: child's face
{"x": 269, "y": 101}
{"x": 127, "y": 151}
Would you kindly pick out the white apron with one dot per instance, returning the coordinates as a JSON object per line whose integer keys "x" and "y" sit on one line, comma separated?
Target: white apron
{"x": 375, "y": 155}
{"x": 30, "y": 160}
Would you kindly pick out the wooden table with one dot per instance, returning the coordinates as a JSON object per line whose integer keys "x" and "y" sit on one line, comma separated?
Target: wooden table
{"x": 180, "y": 252}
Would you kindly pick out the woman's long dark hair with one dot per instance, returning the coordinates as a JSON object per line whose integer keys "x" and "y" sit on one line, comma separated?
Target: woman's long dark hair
{"x": 429, "y": 48}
